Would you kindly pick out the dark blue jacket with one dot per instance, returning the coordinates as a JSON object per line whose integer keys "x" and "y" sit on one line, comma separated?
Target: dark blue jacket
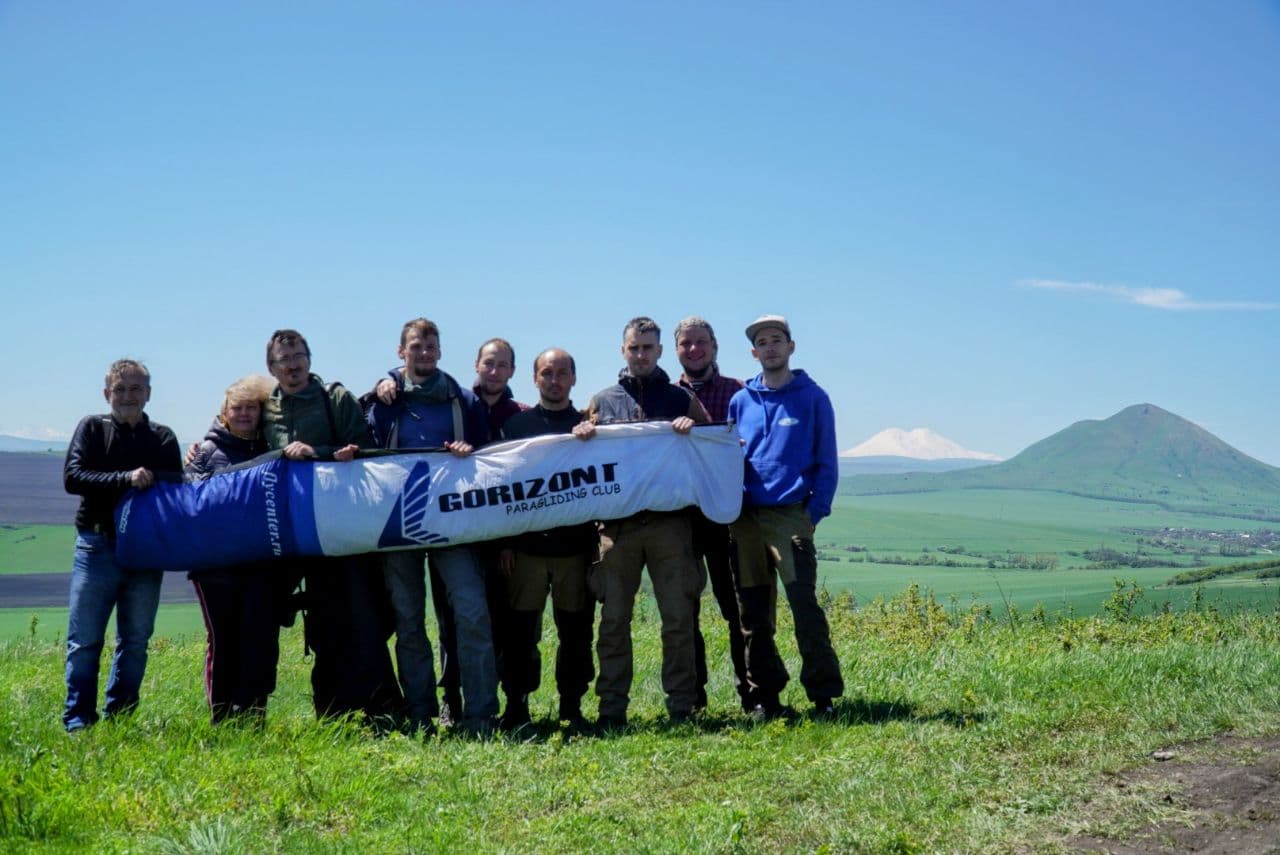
{"x": 436, "y": 421}
{"x": 220, "y": 449}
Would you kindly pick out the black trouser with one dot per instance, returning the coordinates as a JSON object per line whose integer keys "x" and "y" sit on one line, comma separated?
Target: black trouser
{"x": 575, "y": 666}
{"x": 348, "y": 621}
{"x": 819, "y": 670}
{"x": 711, "y": 544}
{"x": 241, "y": 609}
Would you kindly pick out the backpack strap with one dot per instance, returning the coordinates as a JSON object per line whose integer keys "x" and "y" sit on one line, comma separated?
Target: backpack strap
{"x": 108, "y": 434}
{"x": 459, "y": 431}
{"x": 328, "y": 410}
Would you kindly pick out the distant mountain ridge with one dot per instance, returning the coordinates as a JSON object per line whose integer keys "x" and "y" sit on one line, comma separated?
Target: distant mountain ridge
{"x": 1142, "y": 453}
{"x": 893, "y": 464}
{"x": 918, "y": 444}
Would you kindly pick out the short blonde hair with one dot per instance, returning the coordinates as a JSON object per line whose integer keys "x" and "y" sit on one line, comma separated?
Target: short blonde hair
{"x": 255, "y": 387}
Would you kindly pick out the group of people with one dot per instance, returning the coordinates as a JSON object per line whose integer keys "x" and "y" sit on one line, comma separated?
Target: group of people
{"x": 489, "y": 598}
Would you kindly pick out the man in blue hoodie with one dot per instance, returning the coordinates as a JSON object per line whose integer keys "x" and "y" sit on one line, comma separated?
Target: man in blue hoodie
{"x": 788, "y": 433}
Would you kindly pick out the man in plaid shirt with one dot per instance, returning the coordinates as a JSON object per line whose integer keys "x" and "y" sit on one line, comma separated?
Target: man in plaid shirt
{"x": 696, "y": 349}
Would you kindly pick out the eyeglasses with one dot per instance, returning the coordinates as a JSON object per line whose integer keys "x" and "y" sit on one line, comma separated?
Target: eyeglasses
{"x": 292, "y": 359}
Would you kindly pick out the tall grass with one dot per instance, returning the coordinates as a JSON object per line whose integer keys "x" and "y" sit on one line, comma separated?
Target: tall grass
{"x": 958, "y": 733}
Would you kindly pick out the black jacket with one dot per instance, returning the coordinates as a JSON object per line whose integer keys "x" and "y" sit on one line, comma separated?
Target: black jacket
{"x": 100, "y": 457}
{"x": 634, "y": 399}
{"x": 578, "y": 539}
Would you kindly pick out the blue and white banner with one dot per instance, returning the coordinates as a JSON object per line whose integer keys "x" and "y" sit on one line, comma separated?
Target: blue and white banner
{"x": 284, "y": 508}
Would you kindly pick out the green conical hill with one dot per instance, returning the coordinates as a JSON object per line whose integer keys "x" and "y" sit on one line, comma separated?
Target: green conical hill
{"x": 1142, "y": 453}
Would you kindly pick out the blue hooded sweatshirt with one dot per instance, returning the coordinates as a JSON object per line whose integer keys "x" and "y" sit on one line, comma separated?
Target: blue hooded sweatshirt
{"x": 789, "y": 437}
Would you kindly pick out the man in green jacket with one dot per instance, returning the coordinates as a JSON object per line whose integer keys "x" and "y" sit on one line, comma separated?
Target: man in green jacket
{"x": 346, "y": 612}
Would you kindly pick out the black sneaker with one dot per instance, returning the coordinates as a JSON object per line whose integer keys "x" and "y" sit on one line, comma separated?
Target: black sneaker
{"x": 769, "y": 711}
{"x": 478, "y": 728}
{"x": 611, "y": 723}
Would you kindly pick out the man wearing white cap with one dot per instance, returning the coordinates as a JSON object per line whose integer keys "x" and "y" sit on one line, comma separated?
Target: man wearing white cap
{"x": 788, "y": 433}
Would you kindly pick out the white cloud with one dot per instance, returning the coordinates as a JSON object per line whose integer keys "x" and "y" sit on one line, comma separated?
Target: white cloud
{"x": 30, "y": 432}
{"x": 1168, "y": 299}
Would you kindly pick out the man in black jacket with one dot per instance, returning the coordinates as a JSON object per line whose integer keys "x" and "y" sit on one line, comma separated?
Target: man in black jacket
{"x": 555, "y": 560}
{"x": 108, "y": 455}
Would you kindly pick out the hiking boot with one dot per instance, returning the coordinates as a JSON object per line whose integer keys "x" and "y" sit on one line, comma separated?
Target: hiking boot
{"x": 611, "y": 723}
{"x": 700, "y": 701}
{"x": 516, "y": 715}
{"x": 418, "y": 727}
{"x": 571, "y": 712}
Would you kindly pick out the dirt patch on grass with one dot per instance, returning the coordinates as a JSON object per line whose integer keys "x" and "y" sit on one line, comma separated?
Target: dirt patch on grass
{"x": 1220, "y": 795}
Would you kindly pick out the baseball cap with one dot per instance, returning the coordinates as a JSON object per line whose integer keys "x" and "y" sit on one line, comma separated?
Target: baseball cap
{"x": 767, "y": 321}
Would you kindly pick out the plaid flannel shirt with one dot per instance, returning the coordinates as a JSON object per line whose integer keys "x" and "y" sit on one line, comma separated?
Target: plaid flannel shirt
{"x": 714, "y": 392}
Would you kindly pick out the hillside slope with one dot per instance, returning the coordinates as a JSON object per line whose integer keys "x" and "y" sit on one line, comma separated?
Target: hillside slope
{"x": 1142, "y": 453}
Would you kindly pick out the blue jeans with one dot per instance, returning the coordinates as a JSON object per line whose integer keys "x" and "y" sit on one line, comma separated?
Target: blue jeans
{"x": 406, "y": 586}
{"x": 463, "y": 578}
{"x": 98, "y": 584}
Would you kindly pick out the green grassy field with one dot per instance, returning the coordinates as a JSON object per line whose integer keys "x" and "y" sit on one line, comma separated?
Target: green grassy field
{"x": 36, "y": 548}
{"x": 1060, "y": 592}
{"x": 1004, "y": 523}
{"x": 996, "y": 520}
{"x": 172, "y": 621}
{"x": 986, "y": 523}
{"x": 957, "y": 734}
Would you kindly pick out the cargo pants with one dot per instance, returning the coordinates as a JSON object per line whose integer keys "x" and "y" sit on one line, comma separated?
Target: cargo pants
{"x": 662, "y": 542}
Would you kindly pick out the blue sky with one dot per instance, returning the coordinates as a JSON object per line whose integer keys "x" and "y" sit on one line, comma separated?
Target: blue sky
{"x": 989, "y": 219}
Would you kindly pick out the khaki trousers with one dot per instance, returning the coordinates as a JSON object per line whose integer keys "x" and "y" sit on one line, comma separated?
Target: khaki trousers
{"x": 662, "y": 542}
{"x": 779, "y": 540}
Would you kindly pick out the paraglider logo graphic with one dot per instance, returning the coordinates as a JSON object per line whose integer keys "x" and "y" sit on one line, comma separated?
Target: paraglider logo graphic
{"x": 407, "y": 524}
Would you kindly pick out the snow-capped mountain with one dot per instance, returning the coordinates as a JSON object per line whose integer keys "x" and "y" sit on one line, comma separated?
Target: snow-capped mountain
{"x": 919, "y": 444}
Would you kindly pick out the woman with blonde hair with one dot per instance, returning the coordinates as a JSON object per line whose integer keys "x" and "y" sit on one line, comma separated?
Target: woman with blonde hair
{"x": 241, "y": 604}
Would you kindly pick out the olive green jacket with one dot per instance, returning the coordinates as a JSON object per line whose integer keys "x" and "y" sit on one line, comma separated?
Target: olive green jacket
{"x": 305, "y": 417}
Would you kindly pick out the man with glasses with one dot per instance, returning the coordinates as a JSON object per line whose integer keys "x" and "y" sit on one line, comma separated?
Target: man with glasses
{"x": 108, "y": 455}
{"x": 345, "y": 603}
